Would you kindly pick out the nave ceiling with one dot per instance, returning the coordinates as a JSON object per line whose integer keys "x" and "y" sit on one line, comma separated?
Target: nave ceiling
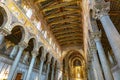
{"x": 64, "y": 20}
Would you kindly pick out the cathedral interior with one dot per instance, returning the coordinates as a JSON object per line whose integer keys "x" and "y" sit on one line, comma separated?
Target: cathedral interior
{"x": 59, "y": 40}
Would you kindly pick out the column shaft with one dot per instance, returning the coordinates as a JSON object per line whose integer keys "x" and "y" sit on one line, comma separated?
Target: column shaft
{"x": 56, "y": 75}
{"x": 52, "y": 75}
{"x": 97, "y": 69}
{"x": 1, "y": 38}
{"x": 91, "y": 72}
{"x": 40, "y": 69}
{"x": 103, "y": 59}
{"x": 15, "y": 63}
{"x": 89, "y": 75}
{"x": 48, "y": 70}
{"x": 14, "y": 51}
{"x": 112, "y": 35}
{"x": 30, "y": 67}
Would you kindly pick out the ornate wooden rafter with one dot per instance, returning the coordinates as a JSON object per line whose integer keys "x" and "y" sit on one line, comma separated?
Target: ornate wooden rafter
{"x": 64, "y": 20}
{"x": 62, "y": 14}
{"x": 70, "y": 43}
{"x": 68, "y": 32}
{"x": 68, "y": 36}
{"x": 70, "y": 40}
{"x": 70, "y": 25}
{"x": 63, "y": 4}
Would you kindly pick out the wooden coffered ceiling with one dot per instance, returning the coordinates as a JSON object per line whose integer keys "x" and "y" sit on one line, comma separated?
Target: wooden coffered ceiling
{"x": 64, "y": 19}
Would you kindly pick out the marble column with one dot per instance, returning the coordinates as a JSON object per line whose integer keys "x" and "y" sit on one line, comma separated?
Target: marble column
{"x": 105, "y": 65}
{"x": 48, "y": 66}
{"x": 34, "y": 54}
{"x": 41, "y": 68}
{"x": 113, "y": 35}
{"x": 1, "y": 38}
{"x": 25, "y": 74}
{"x": 16, "y": 61}
{"x": 92, "y": 72}
{"x": 14, "y": 51}
{"x": 48, "y": 70}
{"x": 111, "y": 59}
{"x": 95, "y": 62}
{"x": 57, "y": 73}
{"x": 89, "y": 66}
{"x": 26, "y": 56}
{"x": 53, "y": 69}
{"x": 3, "y": 33}
{"x": 89, "y": 74}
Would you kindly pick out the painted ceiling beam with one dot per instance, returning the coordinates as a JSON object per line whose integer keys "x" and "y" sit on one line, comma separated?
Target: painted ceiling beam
{"x": 64, "y": 26}
{"x": 62, "y": 13}
{"x": 70, "y": 35}
{"x": 67, "y": 43}
{"x": 63, "y": 4}
{"x": 70, "y": 39}
{"x": 68, "y": 32}
{"x": 63, "y": 21}
{"x": 68, "y": 29}
{"x": 77, "y": 33}
{"x": 39, "y": 1}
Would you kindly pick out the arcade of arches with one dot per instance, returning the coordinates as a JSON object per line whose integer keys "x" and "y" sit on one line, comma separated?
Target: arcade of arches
{"x": 59, "y": 40}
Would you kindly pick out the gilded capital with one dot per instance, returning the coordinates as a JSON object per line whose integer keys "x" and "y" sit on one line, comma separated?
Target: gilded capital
{"x": 100, "y": 9}
{"x": 96, "y": 35}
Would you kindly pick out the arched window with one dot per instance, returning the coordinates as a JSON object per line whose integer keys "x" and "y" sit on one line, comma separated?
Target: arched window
{"x": 39, "y": 26}
{"x": 45, "y": 34}
{"x": 50, "y": 40}
{"x": 53, "y": 46}
{"x": 29, "y": 13}
{"x": 57, "y": 50}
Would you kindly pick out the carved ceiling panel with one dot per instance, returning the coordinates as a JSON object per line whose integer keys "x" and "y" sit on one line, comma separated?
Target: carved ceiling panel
{"x": 64, "y": 18}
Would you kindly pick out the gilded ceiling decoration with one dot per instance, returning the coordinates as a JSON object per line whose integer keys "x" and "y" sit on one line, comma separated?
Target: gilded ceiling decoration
{"x": 64, "y": 19}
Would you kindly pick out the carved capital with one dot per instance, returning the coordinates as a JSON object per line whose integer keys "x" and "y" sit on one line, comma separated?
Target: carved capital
{"x": 22, "y": 44}
{"x": 101, "y": 9}
{"x": 92, "y": 42}
{"x": 4, "y": 32}
{"x": 59, "y": 66}
{"x": 90, "y": 56}
{"x": 93, "y": 49}
{"x": 53, "y": 64}
{"x": 42, "y": 58}
{"x": 49, "y": 59}
{"x": 96, "y": 35}
{"x": 34, "y": 53}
